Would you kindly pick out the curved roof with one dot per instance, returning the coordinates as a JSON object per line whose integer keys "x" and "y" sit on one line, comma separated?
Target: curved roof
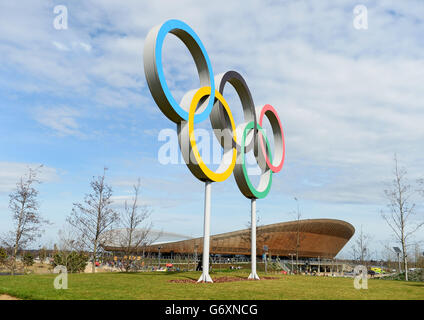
{"x": 317, "y": 238}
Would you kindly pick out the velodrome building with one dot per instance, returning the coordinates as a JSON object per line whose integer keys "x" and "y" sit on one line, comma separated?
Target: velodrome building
{"x": 316, "y": 238}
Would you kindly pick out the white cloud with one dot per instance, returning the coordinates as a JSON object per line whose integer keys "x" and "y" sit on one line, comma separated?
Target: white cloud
{"x": 84, "y": 45}
{"x": 60, "y": 46}
{"x": 60, "y": 119}
{"x": 11, "y": 172}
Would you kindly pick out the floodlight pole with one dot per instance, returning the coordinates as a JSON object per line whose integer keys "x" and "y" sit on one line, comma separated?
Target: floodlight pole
{"x": 205, "y": 277}
{"x": 253, "y": 274}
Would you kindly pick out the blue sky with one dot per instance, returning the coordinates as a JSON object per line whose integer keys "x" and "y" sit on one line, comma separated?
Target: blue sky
{"x": 76, "y": 100}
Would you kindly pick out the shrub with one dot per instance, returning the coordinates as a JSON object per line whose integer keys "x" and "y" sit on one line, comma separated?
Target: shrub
{"x": 28, "y": 260}
{"x": 3, "y": 256}
{"x": 417, "y": 275}
{"x": 73, "y": 261}
{"x": 42, "y": 254}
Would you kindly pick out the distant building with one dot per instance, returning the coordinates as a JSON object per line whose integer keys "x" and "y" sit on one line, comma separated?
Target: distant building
{"x": 317, "y": 238}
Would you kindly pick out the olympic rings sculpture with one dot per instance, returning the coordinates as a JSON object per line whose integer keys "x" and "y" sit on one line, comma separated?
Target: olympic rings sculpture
{"x": 208, "y": 101}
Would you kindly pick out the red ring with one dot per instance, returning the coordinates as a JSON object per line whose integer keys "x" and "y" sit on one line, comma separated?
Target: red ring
{"x": 273, "y": 168}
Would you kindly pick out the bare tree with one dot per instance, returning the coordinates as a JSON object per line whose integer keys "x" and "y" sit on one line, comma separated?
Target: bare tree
{"x": 42, "y": 254}
{"x": 261, "y": 236}
{"x": 418, "y": 255}
{"x": 401, "y": 210}
{"x": 360, "y": 247}
{"x": 421, "y": 184}
{"x": 136, "y": 233}
{"x": 95, "y": 216}
{"x": 25, "y": 214}
{"x": 69, "y": 240}
{"x": 389, "y": 256}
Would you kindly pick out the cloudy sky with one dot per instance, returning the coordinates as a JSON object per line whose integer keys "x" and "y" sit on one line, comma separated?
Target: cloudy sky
{"x": 76, "y": 100}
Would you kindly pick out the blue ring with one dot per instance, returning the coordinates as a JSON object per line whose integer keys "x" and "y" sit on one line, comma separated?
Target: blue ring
{"x": 163, "y": 31}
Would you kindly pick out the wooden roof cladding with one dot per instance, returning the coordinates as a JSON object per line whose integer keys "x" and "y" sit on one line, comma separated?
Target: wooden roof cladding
{"x": 333, "y": 227}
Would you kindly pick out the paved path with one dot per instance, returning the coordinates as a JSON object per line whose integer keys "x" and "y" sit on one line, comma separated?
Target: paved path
{"x": 7, "y": 297}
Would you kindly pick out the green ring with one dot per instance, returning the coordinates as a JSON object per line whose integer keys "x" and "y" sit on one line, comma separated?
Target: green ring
{"x": 256, "y": 193}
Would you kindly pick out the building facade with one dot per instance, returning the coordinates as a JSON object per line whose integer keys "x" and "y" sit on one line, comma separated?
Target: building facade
{"x": 312, "y": 238}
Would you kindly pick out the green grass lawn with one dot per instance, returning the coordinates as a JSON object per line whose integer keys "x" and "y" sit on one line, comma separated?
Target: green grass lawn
{"x": 157, "y": 286}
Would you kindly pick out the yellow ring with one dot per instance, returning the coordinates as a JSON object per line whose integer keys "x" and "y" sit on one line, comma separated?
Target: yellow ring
{"x": 211, "y": 175}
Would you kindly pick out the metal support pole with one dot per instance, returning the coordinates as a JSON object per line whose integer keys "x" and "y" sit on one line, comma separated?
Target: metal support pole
{"x": 159, "y": 258}
{"x": 319, "y": 267}
{"x": 253, "y": 274}
{"x": 205, "y": 277}
{"x": 292, "y": 261}
{"x": 266, "y": 261}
